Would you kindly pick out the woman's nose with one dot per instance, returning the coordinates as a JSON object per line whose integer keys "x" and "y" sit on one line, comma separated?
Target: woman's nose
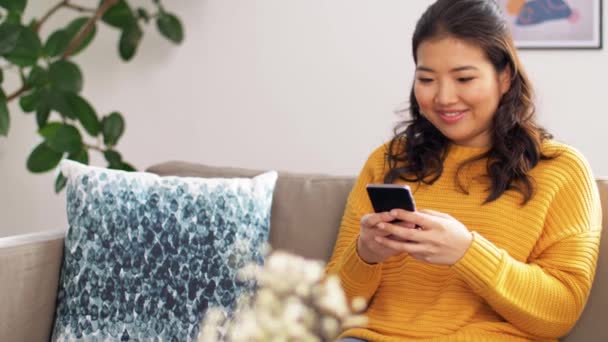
{"x": 446, "y": 94}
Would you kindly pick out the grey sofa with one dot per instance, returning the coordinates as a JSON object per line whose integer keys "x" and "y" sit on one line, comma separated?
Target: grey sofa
{"x": 306, "y": 214}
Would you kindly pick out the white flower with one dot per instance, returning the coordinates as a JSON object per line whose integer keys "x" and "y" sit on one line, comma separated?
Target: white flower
{"x": 294, "y": 302}
{"x": 359, "y": 304}
{"x": 213, "y": 319}
{"x": 330, "y": 327}
{"x": 332, "y": 298}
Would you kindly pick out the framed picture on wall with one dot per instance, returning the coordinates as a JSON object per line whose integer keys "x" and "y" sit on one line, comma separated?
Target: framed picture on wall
{"x": 555, "y": 24}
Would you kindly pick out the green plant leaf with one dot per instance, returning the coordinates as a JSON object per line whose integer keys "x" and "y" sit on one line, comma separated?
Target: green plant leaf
{"x": 5, "y": 120}
{"x": 114, "y": 159}
{"x": 143, "y": 14}
{"x": 13, "y": 18}
{"x": 127, "y": 167}
{"x": 120, "y": 15}
{"x": 170, "y": 27}
{"x": 65, "y": 76}
{"x": 60, "y": 182}
{"x": 81, "y": 156}
{"x": 43, "y": 158}
{"x": 13, "y": 5}
{"x": 42, "y": 115}
{"x": 62, "y": 137}
{"x": 56, "y": 43}
{"x": 33, "y": 23}
{"x": 59, "y": 40}
{"x": 129, "y": 41}
{"x": 112, "y": 127}
{"x": 31, "y": 101}
{"x": 71, "y": 105}
{"x": 37, "y": 77}
{"x": 58, "y": 101}
{"x": 85, "y": 114}
{"x": 27, "y": 50}
{"x": 72, "y": 30}
{"x": 9, "y": 35}
{"x": 1, "y": 75}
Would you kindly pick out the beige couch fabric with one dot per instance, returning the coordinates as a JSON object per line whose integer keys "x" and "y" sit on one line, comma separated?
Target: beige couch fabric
{"x": 593, "y": 324}
{"x": 306, "y": 215}
{"x": 306, "y": 209}
{"x": 29, "y": 277}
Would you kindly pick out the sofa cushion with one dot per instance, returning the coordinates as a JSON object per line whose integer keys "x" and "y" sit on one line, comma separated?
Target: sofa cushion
{"x": 145, "y": 256}
{"x": 306, "y": 209}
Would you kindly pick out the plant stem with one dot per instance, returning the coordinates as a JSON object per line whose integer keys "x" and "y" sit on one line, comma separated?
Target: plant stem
{"x": 86, "y": 28}
{"x": 105, "y": 5}
{"x": 22, "y": 75}
{"x": 23, "y": 89}
{"x": 93, "y": 147}
{"x": 62, "y": 3}
{"x": 17, "y": 93}
{"x": 49, "y": 13}
{"x": 79, "y": 8}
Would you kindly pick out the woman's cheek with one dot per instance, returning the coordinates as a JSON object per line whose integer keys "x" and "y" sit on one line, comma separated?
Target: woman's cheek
{"x": 424, "y": 95}
{"x": 479, "y": 93}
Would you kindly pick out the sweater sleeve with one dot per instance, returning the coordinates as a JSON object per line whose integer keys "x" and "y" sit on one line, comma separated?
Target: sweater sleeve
{"x": 358, "y": 278}
{"x": 546, "y": 295}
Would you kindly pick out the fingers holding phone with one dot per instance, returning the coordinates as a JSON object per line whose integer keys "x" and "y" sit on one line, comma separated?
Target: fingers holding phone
{"x": 442, "y": 239}
{"x": 368, "y": 247}
{"x": 384, "y": 198}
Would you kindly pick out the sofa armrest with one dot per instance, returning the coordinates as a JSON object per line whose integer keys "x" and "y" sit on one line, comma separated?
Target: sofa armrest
{"x": 29, "y": 278}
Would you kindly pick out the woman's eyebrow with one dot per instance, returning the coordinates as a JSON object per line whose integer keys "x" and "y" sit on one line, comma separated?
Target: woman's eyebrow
{"x": 463, "y": 68}
{"x": 460, "y": 68}
{"x": 423, "y": 68}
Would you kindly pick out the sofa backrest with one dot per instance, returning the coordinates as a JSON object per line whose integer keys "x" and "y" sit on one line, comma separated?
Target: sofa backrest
{"x": 307, "y": 210}
{"x": 592, "y": 324}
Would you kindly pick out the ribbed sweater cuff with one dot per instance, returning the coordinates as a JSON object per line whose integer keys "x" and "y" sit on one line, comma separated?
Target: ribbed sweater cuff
{"x": 480, "y": 265}
{"x": 357, "y": 270}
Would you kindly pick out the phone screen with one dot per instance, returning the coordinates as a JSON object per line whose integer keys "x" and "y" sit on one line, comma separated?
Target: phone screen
{"x": 385, "y": 197}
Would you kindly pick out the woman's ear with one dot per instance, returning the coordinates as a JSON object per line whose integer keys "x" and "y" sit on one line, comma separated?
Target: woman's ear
{"x": 504, "y": 79}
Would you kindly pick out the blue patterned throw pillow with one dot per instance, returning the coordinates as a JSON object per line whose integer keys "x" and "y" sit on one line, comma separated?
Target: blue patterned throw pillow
{"x": 145, "y": 256}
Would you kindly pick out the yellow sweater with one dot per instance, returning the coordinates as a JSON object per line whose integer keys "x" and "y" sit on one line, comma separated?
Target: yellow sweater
{"x": 526, "y": 276}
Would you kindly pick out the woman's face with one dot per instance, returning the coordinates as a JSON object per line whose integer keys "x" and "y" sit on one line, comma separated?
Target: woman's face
{"x": 458, "y": 89}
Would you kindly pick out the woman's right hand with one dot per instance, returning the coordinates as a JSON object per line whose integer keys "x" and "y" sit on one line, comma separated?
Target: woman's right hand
{"x": 368, "y": 249}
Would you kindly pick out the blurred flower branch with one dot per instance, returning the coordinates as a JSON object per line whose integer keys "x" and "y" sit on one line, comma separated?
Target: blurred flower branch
{"x": 295, "y": 301}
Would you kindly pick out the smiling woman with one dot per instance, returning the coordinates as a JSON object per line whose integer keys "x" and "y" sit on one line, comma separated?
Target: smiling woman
{"x": 458, "y": 89}
{"x": 509, "y": 219}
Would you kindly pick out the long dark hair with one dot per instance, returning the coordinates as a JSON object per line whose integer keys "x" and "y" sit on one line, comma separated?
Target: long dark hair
{"x": 418, "y": 149}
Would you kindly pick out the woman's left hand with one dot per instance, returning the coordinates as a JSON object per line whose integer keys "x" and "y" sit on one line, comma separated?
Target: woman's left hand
{"x": 441, "y": 239}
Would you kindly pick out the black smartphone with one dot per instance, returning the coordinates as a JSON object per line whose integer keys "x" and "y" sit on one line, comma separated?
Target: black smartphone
{"x": 385, "y": 197}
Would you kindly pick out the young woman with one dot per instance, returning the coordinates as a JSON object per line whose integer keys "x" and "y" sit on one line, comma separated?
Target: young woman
{"x": 509, "y": 220}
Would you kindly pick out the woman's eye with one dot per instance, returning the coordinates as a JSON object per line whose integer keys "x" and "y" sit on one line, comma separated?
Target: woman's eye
{"x": 425, "y": 80}
{"x": 465, "y": 79}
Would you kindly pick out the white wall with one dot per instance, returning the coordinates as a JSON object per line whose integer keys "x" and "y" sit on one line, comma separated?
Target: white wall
{"x": 298, "y": 85}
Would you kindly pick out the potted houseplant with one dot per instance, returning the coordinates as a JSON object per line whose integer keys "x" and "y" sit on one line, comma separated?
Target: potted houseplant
{"x": 51, "y": 81}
